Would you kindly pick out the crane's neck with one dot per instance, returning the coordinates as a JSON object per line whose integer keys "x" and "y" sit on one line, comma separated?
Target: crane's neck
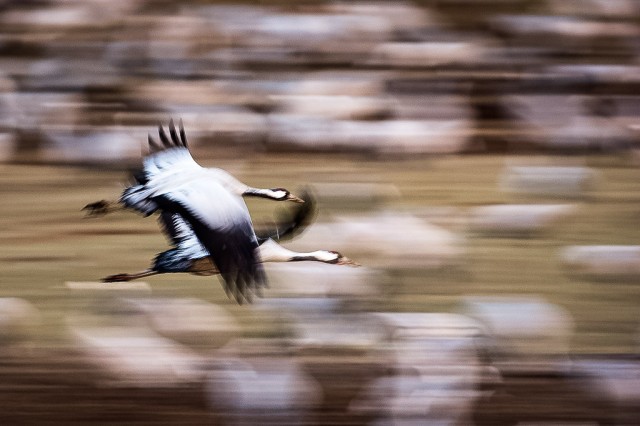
{"x": 270, "y": 251}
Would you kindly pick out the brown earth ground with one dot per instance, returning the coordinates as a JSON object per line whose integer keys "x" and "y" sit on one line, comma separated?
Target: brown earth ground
{"x": 44, "y": 242}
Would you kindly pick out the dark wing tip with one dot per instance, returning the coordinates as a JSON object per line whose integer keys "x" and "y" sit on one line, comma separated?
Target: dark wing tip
{"x": 175, "y": 139}
{"x": 174, "y": 134}
{"x": 163, "y": 137}
{"x": 153, "y": 145}
{"x": 183, "y": 135}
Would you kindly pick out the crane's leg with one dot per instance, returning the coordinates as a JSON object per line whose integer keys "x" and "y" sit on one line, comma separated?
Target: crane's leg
{"x": 118, "y": 278}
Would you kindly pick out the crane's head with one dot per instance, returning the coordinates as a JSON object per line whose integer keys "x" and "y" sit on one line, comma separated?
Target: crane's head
{"x": 335, "y": 258}
{"x": 281, "y": 194}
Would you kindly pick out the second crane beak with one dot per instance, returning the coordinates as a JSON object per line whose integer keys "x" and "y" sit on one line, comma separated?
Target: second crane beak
{"x": 295, "y": 199}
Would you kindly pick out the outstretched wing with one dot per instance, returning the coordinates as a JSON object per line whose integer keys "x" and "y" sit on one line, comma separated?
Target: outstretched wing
{"x": 221, "y": 222}
{"x": 181, "y": 235}
{"x": 166, "y": 163}
{"x": 291, "y": 221}
{"x": 171, "y": 157}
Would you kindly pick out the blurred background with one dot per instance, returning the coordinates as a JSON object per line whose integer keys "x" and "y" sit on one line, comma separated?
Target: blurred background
{"x": 479, "y": 158}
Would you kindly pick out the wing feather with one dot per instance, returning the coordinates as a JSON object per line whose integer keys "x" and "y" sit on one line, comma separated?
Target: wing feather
{"x": 183, "y": 135}
{"x": 222, "y": 224}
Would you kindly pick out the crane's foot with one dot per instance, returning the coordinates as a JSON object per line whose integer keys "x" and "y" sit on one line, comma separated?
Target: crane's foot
{"x": 118, "y": 278}
{"x": 99, "y": 208}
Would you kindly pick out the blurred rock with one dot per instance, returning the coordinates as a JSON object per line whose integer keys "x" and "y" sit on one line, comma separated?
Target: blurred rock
{"x": 437, "y": 370}
{"x": 552, "y": 181}
{"x": 58, "y": 17}
{"x": 249, "y": 391}
{"x": 188, "y": 320}
{"x": 307, "y": 31}
{"x": 566, "y": 123}
{"x": 399, "y": 324}
{"x": 95, "y": 287}
{"x": 506, "y": 219}
{"x": 188, "y": 94}
{"x": 390, "y": 137}
{"x": 561, "y": 27}
{"x": 406, "y": 137}
{"x": 348, "y": 334}
{"x": 92, "y": 145}
{"x": 597, "y": 73}
{"x": 596, "y": 8}
{"x": 354, "y": 83}
{"x": 8, "y": 147}
{"x": 295, "y": 310}
{"x": 616, "y": 381}
{"x": 387, "y": 240}
{"x": 529, "y": 334}
{"x": 408, "y": 400}
{"x": 310, "y": 133}
{"x": 138, "y": 357}
{"x": 317, "y": 279}
{"x": 334, "y": 107}
{"x": 72, "y": 14}
{"x": 18, "y": 319}
{"x": 434, "y": 344}
{"x": 7, "y": 102}
{"x": 69, "y": 74}
{"x": 320, "y": 325}
{"x": 448, "y": 217}
{"x": 40, "y": 111}
{"x": 603, "y": 260}
{"x": 401, "y": 15}
{"x": 428, "y": 54}
{"x": 432, "y": 106}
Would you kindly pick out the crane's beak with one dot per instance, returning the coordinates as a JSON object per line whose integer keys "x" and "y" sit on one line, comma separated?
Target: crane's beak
{"x": 343, "y": 260}
{"x": 295, "y": 199}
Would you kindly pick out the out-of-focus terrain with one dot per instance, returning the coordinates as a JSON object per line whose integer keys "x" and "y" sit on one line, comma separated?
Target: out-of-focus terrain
{"x": 478, "y": 158}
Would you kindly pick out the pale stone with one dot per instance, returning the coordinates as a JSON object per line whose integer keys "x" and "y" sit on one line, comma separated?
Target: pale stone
{"x": 7, "y": 147}
{"x": 18, "y": 319}
{"x": 338, "y": 107}
{"x": 98, "y": 287}
{"x": 566, "y": 122}
{"x": 596, "y": 8}
{"x": 428, "y": 54}
{"x": 259, "y": 389}
{"x": 618, "y": 380}
{"x": 527, "y": 332}
{"x": 391, "y": 240}
{"x": 389, "y": 137}
{"x": 399, "y": 324}
{"x": 188, "y": 320}
{"x": 517, "y": 218}
{"x": 93, "y": 145}
{"x": 555, "y": 181}
{"x": 137, "y": 356}
{"x": 318, "y": 279}
{"x": 603, "y": 260}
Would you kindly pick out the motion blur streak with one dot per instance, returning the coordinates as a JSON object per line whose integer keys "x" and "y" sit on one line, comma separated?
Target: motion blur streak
{"x": 479, "y": 159}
